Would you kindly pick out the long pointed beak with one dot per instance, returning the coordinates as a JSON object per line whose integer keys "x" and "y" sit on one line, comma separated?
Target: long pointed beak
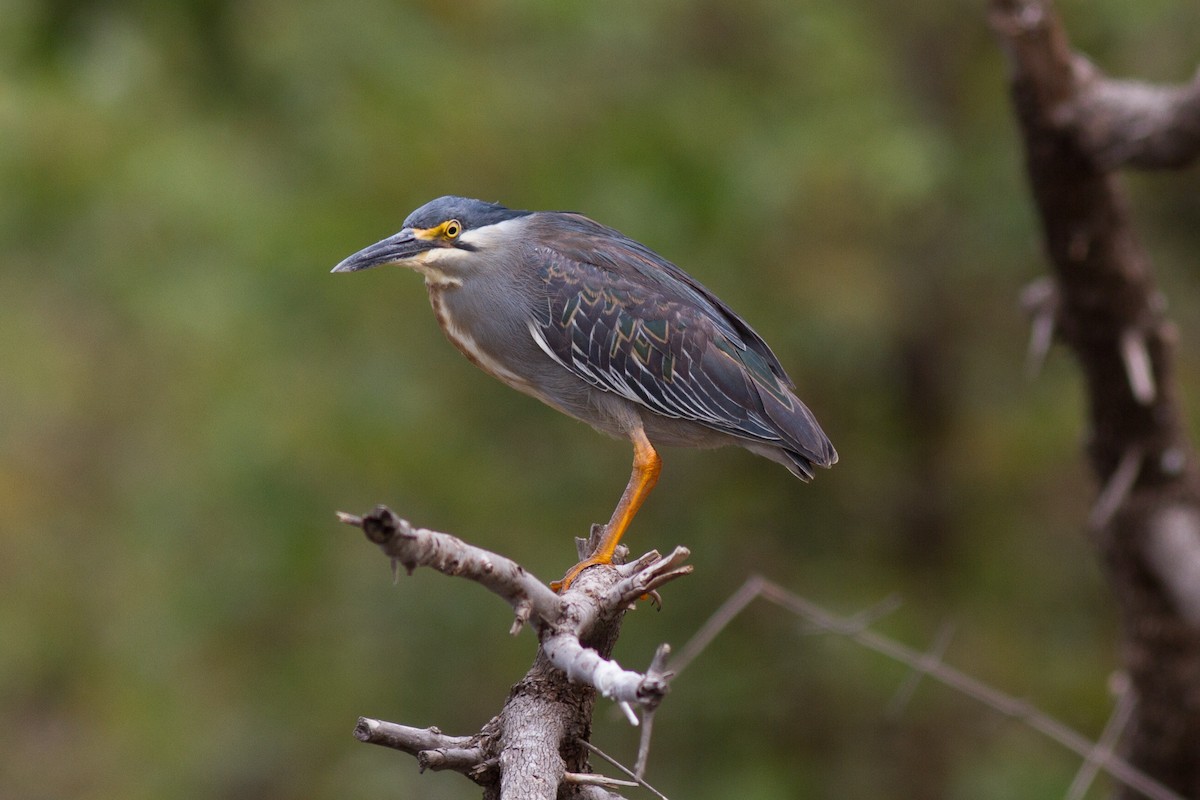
{"x": 395, "y": 248}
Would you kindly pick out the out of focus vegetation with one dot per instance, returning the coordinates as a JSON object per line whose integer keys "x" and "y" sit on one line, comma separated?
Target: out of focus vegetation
{"x": 186, "y": 395}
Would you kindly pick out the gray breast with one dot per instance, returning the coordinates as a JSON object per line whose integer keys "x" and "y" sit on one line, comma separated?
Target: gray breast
{"x": 492, "y": 332}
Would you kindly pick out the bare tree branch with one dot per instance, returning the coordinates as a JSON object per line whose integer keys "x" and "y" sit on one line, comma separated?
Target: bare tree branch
{"x": 1118, "y": 122}
{"x": 929, "y": 663}
{"x": 625, "y": 770}
{"x": 1078, "y": 126}
{"x": 926, "y": 663}
{"x": 412, "y": 547}
{"x": 402, "y": 737}
{"x": 1105, "y": 747}
{"x": 586, "y": 666}
{"x": 536, "y": 747}
{"x": 658, "y": 669}
{"x": 1130, "y": 123}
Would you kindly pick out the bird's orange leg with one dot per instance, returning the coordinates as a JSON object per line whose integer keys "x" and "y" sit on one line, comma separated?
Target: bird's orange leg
{"x": 646, "y": 467}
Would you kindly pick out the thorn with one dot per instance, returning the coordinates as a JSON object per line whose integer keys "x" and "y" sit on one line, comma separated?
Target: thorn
{"x": 1040, "y": 301}
{"x": 640, "y": 781}
{"x": 1041, "y": 336}
{"x": 593, "y": 779}
{"x": 585, "y": 547}
{"x": 639, "y": 767}
{"x": 1114, "y": 493}
{"x": 659, "y": 662}
{"x": 929, "y": 662}
{"x": 1118, "y": 720}
{"x": 1138, "y": 367}
{"x": 523, "y": 609}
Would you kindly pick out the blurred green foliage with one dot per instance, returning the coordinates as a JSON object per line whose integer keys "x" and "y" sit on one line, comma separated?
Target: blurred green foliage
{"x": 186, "y": 395}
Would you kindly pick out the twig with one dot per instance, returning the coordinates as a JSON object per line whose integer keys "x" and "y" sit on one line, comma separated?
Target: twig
{"x": 864, "y": 619}
{"x": 757, "y": 586}
{"x": 640, "y": 782}
{"x": 716, "y": 623}
{"x": 929, "y": 662}
{"x": 1116, "y": 491}
{"x": 593, "y": 779}
{"x": 1140, "y": 124}
{"x": 1040, "y": 301}
{"x": 584, "y": 665}
{"x": 413, "y": 547}
{"x": 402, "y": 737}
{"x": 647, "y": 574}
{"x": 458, "y": 759}
{"x": 1103, "y": 751}
{"x": 1077, "y": 127}
{"x": 533, "y": 745}
{"x": 1138, "y": 368}
{"x": 658, "y": 669}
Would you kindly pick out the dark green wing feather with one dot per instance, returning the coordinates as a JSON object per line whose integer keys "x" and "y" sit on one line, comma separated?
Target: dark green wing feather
{"x": 627, "y": 321}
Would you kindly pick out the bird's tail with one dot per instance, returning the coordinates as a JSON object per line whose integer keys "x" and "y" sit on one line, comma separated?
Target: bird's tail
{"x": 803, "y": 444}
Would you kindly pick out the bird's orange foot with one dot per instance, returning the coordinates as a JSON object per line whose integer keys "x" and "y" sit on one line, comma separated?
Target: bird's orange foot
{"x": 573, "y": 572}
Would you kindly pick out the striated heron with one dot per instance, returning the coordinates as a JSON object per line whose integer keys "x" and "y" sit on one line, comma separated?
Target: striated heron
{"x": 605, "y": 330}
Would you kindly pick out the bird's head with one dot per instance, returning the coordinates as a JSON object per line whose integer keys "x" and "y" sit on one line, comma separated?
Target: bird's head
{"x": 442, "y": 239}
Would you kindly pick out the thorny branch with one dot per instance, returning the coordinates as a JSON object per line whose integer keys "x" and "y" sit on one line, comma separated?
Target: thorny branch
{"x": 536, "y": 747}
{"x": 1078, "y": 126}
{"x": 482, "y": 757}
{"x": 856, "y": 628}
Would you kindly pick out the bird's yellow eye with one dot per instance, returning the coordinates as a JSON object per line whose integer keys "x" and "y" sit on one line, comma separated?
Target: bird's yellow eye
{"x": 452, "y": 229}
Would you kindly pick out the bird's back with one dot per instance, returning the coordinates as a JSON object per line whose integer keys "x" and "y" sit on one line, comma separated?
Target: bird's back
{"x": 630, "y": 322}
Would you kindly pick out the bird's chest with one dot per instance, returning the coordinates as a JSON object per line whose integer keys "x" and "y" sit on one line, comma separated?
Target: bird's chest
{"x": 476, "y": 336}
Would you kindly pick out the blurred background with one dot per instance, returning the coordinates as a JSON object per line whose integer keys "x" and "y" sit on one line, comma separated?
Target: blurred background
{"x": 187, "y": 396}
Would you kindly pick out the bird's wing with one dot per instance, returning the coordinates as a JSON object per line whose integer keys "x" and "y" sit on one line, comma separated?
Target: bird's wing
{"x": 614, "y": 251}
{"x": 625, "y": 320}
{"x": 656, "y": 344}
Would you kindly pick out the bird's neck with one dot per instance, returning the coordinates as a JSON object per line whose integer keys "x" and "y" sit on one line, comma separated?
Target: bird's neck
{"x": 442, "y": 297}
{"x": 436, "y": 280}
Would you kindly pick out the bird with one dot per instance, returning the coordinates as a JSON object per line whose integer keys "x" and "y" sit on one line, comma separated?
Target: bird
{"x": 605, "y": 330}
